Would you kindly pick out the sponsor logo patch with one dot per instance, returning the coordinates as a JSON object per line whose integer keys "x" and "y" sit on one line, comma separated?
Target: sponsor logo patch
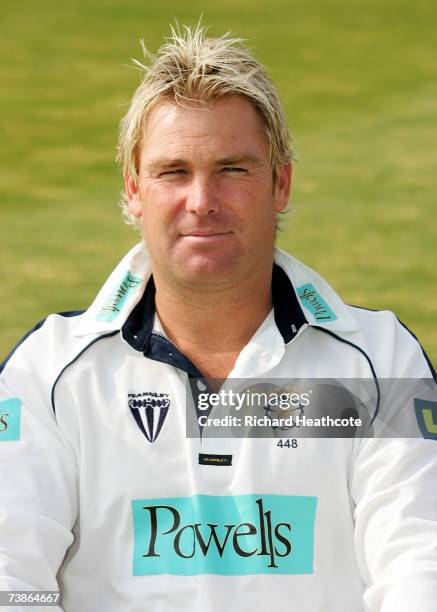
{"x": 10, "y": 419}
{"x": 211, "y": 459}
{"x": 227, "y": 535}
{"x": 149, "y": 411}
{"x": 114, "y": 304}
{"x": 313, "y": 301}
{"x": 426, "y": 415}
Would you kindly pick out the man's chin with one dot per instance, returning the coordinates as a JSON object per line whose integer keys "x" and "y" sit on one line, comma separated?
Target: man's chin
{"x": 207, "y": 269}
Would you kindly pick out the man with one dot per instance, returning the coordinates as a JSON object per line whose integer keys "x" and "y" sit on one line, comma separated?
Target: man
{"x": 104, "y": 495}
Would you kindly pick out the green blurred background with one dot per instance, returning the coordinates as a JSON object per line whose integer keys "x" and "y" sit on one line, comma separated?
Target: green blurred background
{"x": 357, "y": 77}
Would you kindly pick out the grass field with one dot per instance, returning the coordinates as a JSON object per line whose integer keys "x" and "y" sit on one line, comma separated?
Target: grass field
{"x": 359, "y": 82}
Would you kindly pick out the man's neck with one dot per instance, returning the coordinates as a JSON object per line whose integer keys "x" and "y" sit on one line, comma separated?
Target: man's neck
{"x": 211, "y": 328}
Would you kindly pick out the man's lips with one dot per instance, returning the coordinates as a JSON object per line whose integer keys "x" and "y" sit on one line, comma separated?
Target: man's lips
{"x": 205, "y": 234}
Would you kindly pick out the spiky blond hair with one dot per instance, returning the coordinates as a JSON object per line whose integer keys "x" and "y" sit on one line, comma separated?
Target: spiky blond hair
{"x": 191, "y": 67}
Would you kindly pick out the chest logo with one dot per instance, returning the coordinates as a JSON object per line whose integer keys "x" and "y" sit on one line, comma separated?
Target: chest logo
{"x": 227, "y": 535}
{"x": 149, "y": 410}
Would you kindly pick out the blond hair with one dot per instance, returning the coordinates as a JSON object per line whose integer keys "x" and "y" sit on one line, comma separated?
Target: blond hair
{"x": 189, "y": 68}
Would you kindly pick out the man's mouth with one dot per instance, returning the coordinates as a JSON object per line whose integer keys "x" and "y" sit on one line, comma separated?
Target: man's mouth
{"x": 205, "y": 234}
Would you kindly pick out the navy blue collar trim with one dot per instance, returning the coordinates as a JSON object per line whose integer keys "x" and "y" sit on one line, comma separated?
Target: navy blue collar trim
{"x": 138, "y": 333}
{"x": 289, "y": 316}
{"x": 138, "y": 329}
{"x": 139, "y": 325}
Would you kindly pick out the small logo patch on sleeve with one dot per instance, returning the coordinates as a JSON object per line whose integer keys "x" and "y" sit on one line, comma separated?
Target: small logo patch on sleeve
{"x": 10, "y": 419}
{"x": 426, "y": 415}
{"x": 313, "y": 301}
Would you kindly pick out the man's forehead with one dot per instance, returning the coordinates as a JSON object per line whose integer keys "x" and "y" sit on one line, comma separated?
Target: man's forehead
{"x": 230, "y": 110}
{"x": 227, "y": 128}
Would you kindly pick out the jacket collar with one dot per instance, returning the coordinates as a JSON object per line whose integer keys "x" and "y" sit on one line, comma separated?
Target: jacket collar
{"x": 300, "y": 296}
{"x": 320, "y": 303}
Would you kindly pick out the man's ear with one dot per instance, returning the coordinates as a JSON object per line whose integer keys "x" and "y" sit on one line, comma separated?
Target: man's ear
{"x": 282, "y": 186}
{"x": 131, "y": 188}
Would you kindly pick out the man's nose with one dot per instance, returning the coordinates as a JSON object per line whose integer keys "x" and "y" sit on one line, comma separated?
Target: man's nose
{"x": 202, "y": 197}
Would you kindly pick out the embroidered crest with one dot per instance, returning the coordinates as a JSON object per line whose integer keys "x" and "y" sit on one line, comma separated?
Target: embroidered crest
{"x": 149, "y": 410}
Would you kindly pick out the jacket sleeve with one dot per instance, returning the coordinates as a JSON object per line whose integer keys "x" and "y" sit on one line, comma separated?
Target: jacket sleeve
{"x": 393, "y": 487}
{"x": 38, "y": 503}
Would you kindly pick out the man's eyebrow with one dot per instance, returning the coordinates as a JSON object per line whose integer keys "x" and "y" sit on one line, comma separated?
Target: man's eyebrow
{"x": 165, "y": 162}
{"x": 243, "y": 158}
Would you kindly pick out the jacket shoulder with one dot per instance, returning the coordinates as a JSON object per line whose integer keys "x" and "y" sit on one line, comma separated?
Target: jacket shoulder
{"x": 43, "y": 348}
{"x": 394, "y": 349}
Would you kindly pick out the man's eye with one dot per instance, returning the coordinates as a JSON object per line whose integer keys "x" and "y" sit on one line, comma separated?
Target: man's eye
{"x": 233, "y": 169}
{"x": 172, "y": 172}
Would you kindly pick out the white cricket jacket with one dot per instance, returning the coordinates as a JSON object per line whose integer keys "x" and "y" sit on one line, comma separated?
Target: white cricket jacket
{"x": 104, "y": 495}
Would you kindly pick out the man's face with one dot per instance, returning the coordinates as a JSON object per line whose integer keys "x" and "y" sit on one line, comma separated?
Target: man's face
{"x": 205, "y": 195}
